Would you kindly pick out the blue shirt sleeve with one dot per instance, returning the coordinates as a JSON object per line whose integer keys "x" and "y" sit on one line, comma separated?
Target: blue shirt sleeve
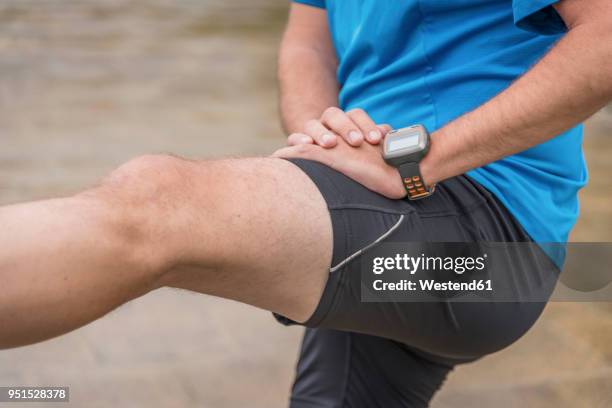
{"x": 314, "y": 3}
{"x": 538, "y": 16}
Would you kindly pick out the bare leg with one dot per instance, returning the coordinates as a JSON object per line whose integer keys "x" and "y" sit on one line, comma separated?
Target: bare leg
{"x": 252, "y": 230}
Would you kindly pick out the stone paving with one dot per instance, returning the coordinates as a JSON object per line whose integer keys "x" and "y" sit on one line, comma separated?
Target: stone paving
{"x": 85, "y": 87}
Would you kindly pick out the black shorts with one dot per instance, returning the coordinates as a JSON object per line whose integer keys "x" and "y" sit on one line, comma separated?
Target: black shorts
{"x": 397, "y": 354}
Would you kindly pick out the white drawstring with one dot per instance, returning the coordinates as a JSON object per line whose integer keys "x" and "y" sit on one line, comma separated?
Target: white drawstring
{"x": 362, "y": 250}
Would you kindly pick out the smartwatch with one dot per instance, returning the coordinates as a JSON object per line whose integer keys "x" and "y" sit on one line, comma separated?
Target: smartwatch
{"x": 405, "y": 148}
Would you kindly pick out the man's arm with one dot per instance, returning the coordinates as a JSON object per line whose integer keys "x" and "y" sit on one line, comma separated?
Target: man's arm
{"x": 306, "y": 68}
{"x": 568, "y": 85}
{"x": 572, "y": 82}
{"x": 308, "y": 87}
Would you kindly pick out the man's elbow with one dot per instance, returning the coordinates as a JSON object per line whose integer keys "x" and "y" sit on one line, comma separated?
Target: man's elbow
{"x": 592, "y": 20}
{"x": 596, "y": 40}
{"x": 604, "y": 58}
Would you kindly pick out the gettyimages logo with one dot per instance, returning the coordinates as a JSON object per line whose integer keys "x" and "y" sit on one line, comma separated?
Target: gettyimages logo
{"x": 487, "y": 272}
{"x": 414, "y": 264}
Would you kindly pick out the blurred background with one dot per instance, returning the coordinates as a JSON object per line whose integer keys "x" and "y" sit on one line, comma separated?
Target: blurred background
{"x": 84, "y": 86}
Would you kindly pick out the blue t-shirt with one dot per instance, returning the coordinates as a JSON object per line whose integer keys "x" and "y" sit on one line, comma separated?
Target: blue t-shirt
{"x": 430, "y": 61}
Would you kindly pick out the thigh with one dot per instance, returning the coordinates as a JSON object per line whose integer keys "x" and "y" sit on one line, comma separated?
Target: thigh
{"x": 445, "y": 331}
{"x": 344, "y": 369}
{"x": 253, "y": 230}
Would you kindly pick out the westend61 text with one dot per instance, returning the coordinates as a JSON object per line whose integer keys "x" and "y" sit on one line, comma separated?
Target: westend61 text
{"x": 432, "y": 285}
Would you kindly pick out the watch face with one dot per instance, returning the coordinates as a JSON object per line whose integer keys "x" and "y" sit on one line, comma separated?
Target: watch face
{"x": 407, "y": 141}
{"x": 407, "y": 144}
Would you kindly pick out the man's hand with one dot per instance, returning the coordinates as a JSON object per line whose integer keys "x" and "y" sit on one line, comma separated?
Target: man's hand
{"x": 353, "y": 126}
{"x": 364, "y": 164}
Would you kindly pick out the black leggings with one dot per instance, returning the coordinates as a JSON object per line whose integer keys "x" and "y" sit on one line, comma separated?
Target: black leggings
{"x": 397, "y": 354}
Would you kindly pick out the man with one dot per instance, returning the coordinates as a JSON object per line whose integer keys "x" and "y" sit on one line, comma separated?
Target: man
{"x": 283, "y": 235}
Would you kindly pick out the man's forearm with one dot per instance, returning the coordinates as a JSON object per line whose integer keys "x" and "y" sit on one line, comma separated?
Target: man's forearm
{"x": 308, "y": 86}
{"x": 572, "y": 82}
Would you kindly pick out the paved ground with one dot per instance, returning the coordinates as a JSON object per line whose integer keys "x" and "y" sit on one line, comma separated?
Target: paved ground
{"x": 86, "y": 85}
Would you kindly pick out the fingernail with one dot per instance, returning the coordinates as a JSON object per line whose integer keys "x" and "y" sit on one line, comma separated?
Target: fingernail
{"x": 327, "y": 138}
{"x": 355, "y": 136}
{"x": 306, "y": 140}
{"x": 374, "y": 136}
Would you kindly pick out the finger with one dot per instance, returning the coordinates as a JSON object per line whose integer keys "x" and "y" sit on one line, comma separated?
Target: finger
{"x": 285, "y": 152}
{"x": 366, "y": 124}
{"x": 320, "y": 134}
{"x": 384, "y": 128}
{"x": 336, "y": 120}
{"x": 299, "y": 138}
{"x": 304, "y": 151}
{"x": 299, "y": 150}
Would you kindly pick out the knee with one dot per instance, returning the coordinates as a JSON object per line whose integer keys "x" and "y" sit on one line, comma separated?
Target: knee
{"x": 146, "y": 179}
{"x": 138, "y": 200}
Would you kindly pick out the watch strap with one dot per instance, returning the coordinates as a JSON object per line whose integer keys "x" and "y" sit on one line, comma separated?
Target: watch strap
{"x": 413, "y": 181}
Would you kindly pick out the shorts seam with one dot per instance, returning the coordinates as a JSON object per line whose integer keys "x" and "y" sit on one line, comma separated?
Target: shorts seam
{"x": 347, "y": 369}
{"x": 340, "y": 275}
